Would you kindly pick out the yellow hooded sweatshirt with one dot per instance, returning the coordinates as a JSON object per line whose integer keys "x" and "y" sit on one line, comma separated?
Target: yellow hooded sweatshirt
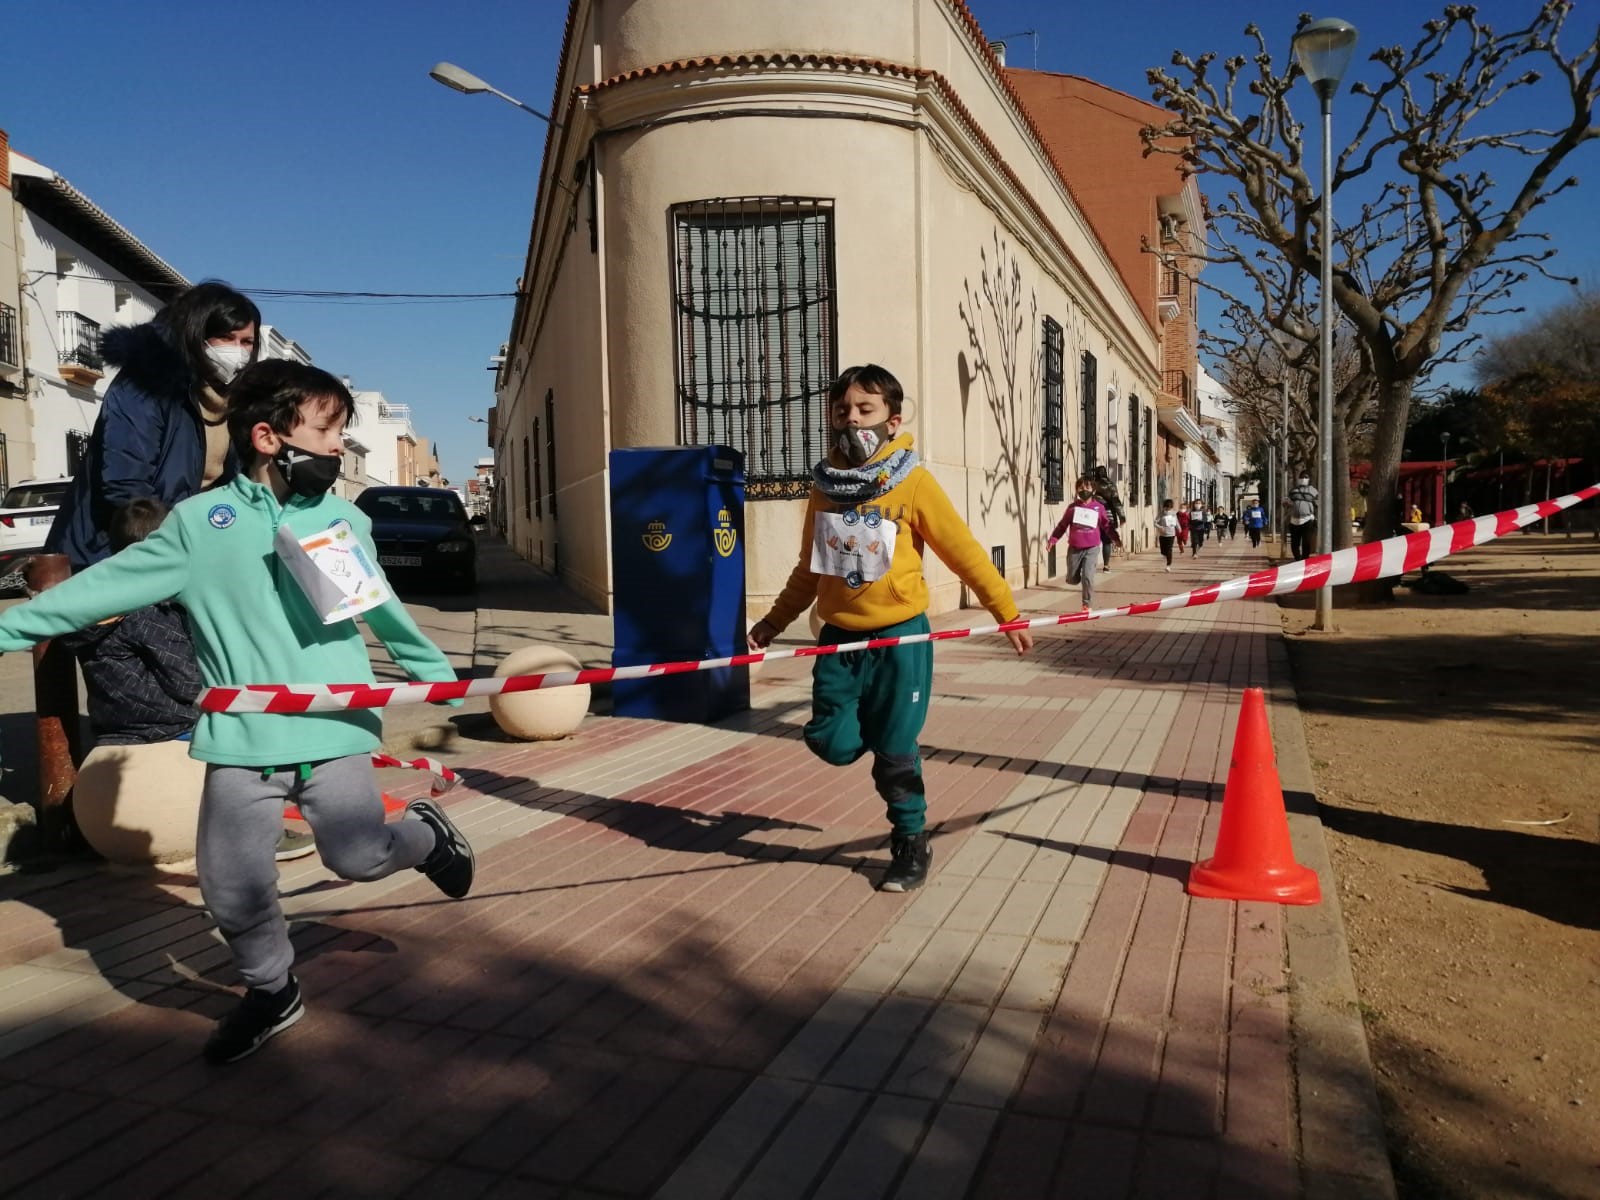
{"x": 923, "y": 515}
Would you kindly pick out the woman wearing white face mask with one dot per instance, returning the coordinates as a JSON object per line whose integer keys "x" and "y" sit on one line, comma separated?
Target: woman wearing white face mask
{"x": 163, "y": 427}
{"x": 162, "y": 434}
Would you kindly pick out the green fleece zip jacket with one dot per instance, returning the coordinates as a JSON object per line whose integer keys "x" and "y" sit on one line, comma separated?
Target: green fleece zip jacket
{"x": 251, "y": 622}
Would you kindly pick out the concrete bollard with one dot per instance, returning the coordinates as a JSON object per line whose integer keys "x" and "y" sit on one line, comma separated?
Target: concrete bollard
{"x": 55, "y": 706}
{"x": 540, "y": 715}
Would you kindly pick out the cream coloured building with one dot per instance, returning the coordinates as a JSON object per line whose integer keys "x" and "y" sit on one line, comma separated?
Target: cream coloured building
{"x": 741, "y": 199}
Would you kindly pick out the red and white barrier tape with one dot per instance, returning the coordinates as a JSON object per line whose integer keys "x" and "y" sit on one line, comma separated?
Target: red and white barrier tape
{"x": 443, "y": 777}
{"x": 1355, "y": 564}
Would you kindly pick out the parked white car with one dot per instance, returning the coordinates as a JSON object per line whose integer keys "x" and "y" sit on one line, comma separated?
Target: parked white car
{"x": 26, "y": 514}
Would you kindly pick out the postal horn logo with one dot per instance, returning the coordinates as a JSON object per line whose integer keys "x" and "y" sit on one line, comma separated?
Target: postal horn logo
{"x": 725, "y": 535}
{"x": 655, "y": 537}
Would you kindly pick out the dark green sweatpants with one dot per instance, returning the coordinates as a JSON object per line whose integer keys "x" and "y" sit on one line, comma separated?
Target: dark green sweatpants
{"x": 876, "y": 700}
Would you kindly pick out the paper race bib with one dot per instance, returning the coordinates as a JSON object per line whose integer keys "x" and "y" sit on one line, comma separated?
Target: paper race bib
{"x": 1167, "y": 523}
{"x": 855, "y": 547}
{"x": 1086, "y": 517}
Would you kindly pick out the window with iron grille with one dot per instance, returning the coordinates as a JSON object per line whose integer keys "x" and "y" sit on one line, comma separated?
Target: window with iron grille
{"x": 1089, "y": 386}
{"x": 80, "y": 340}
{"x": 1054, "y": 433}
{"x": 77, "y": 450}
{"x": 756, "y": 331}
{"x": 550, "y": 446}
{"x": 1133, "y": 449}
{"x": 1149, "y": 451}
{"x": 527, "y": 482}
{"x": 538, "y": 483}
{"x": 8, "y": 334}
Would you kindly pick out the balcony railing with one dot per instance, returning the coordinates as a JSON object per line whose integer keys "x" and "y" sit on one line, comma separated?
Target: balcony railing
{"x": 80, "y": 341}
{"x": 1171, "y": 280}
{"x": 1177, "y": 383}
{"x": 8, "y": 335}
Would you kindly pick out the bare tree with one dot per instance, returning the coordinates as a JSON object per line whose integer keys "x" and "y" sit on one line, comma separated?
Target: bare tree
{"x": 1564, "y": 341}
{"x": 1436, "y": 241}
{"x": 1002, "y": 334}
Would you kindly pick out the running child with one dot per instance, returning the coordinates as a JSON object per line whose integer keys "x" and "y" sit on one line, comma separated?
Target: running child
{"x": 1166, "y": 530}
{"x": 872, "y": 508}
{"x": 1085, "y": 523}
{"x": 215, "y": 555}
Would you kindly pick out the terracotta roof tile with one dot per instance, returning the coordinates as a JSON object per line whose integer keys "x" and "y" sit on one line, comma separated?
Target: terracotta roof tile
{"x": 848, "y": 61}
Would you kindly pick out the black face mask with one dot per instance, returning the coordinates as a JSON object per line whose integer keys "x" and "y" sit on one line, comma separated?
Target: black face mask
{"x": 307, "y": 474}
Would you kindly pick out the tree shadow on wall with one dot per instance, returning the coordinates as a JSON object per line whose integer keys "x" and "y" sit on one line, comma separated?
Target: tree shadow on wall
{"x": 1005, "y": 365}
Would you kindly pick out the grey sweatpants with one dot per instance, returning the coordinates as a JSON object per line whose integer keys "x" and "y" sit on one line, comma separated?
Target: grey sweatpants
{"x": 241, "y": 818}
{"x": 1081, "y": 568}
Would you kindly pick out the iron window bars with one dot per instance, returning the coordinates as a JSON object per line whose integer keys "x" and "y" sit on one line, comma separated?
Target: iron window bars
{"x": 757, "y": 333}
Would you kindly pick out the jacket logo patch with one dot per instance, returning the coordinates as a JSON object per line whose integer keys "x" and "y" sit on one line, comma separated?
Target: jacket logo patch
{"x": 221, "y": 516}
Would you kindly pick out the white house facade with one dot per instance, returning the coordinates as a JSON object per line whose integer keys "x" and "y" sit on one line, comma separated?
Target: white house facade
{"x": 78, "y": 268}
{"x": 743, "y": 199}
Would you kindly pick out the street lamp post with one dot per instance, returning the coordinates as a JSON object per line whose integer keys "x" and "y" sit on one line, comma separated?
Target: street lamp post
{"x": 1324, "y": 49}
{"x": 460, "y": 80}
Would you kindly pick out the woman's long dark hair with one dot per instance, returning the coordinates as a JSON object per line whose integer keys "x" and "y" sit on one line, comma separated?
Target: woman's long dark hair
{"x": 209, "y": 309}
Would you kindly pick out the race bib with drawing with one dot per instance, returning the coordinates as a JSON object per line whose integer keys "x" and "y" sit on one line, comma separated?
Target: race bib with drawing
{"x": 856, "y": 547}
{"x": 1086, "y": 517}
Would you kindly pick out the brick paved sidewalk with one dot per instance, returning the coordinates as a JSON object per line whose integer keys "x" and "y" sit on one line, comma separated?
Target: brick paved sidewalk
{"x": 676, "y": 979}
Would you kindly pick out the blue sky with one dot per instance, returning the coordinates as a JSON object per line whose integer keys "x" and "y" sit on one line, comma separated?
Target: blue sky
{"x": 302, "y": 145}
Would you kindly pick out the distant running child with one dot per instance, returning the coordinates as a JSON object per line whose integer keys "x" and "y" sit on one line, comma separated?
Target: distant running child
{"x": 1086, "y": 523}
{"x": 1166, "y": 531}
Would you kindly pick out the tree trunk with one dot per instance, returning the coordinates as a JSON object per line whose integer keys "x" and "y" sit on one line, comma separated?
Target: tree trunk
{"x": 1383, "y": 484}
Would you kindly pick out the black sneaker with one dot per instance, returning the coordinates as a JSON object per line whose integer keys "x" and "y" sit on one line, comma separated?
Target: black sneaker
{"x": 260, "y": 1015}
{"x": 450, "y": 866}
{"x": 908, "y": 865}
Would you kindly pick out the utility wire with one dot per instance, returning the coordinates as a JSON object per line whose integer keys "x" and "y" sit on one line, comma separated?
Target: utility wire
{"x": 305, "y": 294}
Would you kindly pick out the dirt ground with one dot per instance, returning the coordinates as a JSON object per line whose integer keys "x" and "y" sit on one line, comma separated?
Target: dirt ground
{"x": 1457, "y": 756}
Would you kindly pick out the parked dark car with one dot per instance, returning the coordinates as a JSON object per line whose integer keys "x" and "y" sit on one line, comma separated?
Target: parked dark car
{"x": 422, "y": 535}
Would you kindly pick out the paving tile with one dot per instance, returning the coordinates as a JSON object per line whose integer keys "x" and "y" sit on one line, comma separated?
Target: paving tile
{"x": 945, "y": 1162}
{"x": 882, "y": 1143}
{"x": 797, "y": 1156}
{"x": 714, "y": 1166}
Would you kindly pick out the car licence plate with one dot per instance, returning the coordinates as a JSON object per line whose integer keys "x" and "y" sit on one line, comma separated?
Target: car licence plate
{"x": 42, "y": 520}
{"x": 399, "y": 560}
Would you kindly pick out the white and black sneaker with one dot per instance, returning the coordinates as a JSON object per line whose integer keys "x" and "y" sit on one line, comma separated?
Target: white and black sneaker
{"x": 261, "y": 1015}
{"x": 910, "y": 856}
{"x": 451, "y": 864}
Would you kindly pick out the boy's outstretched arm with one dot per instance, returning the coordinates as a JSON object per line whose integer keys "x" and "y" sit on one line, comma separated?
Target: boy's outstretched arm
{"x": 944, "y": 530}
{"x": 145, "y": 573}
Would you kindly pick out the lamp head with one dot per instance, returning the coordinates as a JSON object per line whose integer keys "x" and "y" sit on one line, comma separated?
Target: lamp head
{"x": 1323, "y": 49}
{"x": 457, "y": 79}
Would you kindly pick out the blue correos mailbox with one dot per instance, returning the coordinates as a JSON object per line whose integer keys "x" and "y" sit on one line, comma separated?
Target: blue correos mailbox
{"x": 677, "y": 557}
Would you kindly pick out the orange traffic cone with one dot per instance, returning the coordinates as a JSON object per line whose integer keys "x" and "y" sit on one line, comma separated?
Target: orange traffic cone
{"x": 1254, "y": 860}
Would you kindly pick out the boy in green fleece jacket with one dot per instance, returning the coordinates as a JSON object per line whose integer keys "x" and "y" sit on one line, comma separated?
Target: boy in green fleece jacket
{"x": 252, "y": 624}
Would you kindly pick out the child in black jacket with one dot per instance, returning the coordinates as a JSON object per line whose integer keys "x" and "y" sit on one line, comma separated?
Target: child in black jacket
{"x": 139, "y": 669}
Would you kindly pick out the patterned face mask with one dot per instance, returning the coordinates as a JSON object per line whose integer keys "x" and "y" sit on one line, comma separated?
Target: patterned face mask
{"x": 858, "y": 445}
{"x": 307, "y": 474}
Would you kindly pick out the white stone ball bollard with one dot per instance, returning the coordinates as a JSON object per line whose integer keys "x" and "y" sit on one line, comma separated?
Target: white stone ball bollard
{"x": 140, "y": 805}
{"x": 545, "y": 714}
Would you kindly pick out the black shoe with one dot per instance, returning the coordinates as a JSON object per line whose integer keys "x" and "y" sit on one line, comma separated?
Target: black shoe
{"x": 908, "y": 865}
{"x": 450, "y": 866}
{"x": 260, "y": 1015}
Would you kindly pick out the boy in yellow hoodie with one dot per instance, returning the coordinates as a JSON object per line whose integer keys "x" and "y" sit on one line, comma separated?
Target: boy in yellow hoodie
{"x": 872, "y": 509}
